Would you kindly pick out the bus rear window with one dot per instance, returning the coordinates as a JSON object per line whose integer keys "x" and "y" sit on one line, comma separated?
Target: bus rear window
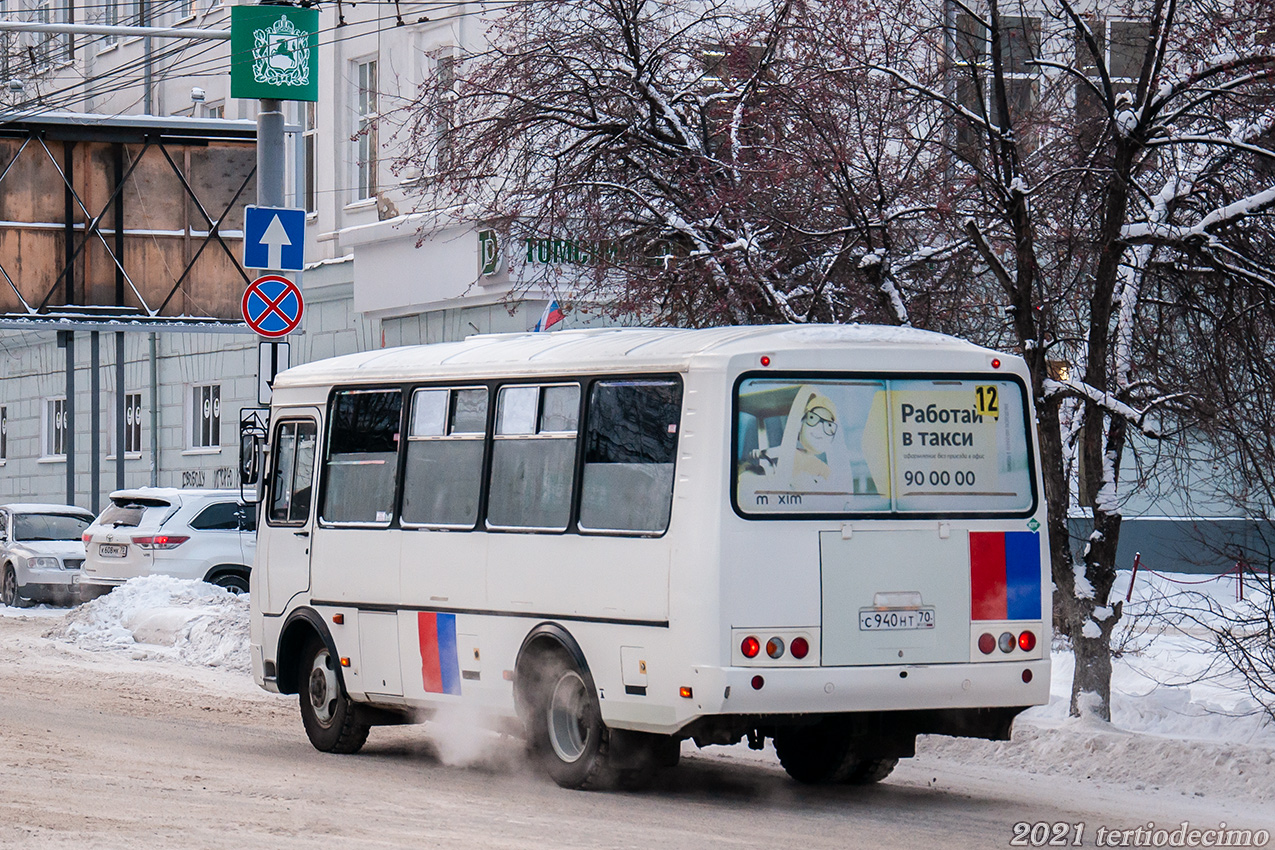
{"x": 880, "y": 446}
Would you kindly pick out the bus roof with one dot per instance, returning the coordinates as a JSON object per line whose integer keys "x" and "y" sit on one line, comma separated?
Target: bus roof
{"x": 603, "y": 349}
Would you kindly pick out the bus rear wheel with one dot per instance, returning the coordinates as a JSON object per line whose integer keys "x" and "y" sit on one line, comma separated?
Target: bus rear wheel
{"x": 330, "y": 717}
{"x": 565, "y": 727}
{"x": 825, "y": 754}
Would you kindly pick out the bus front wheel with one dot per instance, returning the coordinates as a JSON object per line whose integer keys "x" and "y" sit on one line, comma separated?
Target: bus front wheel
{"x": 825, "y": 754}
{"x": 331, "y": 718}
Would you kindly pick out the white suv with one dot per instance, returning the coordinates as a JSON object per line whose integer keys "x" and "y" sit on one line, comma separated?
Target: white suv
{"x": 200, "y": 534}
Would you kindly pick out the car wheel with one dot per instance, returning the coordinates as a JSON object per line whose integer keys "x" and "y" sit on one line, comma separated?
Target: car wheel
{"x": 331, "y": 718}
{"x": 566, "y": 731}
{"x": 236, "y": 583}
{"x": 9, "y": 590}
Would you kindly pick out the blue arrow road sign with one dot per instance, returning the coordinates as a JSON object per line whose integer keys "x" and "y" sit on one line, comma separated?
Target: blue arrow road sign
{"x": 273, "y": 238}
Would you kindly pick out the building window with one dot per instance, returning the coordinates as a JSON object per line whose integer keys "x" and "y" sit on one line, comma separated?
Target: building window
{"x": 1122, "y": 48}
{"x": 1020, "y": 46}
{"x": 4, "y": 434}
{"x": 445, "y": 68}
{"x": 47, "y": 49}
{"x": 310, "y": 139}
{"x": 365, "y": 144}
{"x": 205, "y": 421}
{"x": 56, "y": 431}
{"x": 132, "y": 423}
{"x": 215, "y": 110}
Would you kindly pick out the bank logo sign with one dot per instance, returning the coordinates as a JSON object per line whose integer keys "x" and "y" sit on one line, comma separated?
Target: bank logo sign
{"x": 274, "y": 52}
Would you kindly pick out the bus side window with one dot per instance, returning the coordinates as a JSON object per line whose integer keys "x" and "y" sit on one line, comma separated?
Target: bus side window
{"x": 290, "y": 485}
{"x": 629, "y": 453}
{"x": 533, "y": 457}
{"x": 362, "y": 456}
{"x": 445, "y": 441}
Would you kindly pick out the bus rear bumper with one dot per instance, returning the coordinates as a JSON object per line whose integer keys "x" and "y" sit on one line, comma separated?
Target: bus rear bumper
{"x": 775, "y": 693}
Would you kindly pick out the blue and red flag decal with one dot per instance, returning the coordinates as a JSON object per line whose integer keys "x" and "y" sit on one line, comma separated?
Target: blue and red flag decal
{"x": 1005, "y": 575}
{"x": 440, "y": 668}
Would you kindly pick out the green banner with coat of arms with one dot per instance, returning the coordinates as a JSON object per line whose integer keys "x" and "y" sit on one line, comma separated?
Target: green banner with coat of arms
{"x": 274, "y": 52}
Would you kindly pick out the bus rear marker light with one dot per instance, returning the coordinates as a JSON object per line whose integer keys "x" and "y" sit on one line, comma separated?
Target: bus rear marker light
{"x": 685, "y": 692}
{"x": 765, "y": 360}
{"x": 775, "y": 647}
{"x": 758, "y": 683}
{"x": 799, "y": 648}
{"x": 1027, "y": 677}
{"x": 1007, "y": 642}
{"x": 750, "y": 647}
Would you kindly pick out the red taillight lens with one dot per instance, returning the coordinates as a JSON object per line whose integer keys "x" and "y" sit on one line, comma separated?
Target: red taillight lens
{"x": 799, "y": 648}
{"x": 986, "y": 643}
{"x": 1027, "y": 641}
{"x": 160, "y": 541}
{"x": 85, "y": 538}
{"x": 758, "y": 683}
{"x": 775, "y": 647}
{"x": 750, "y": 647}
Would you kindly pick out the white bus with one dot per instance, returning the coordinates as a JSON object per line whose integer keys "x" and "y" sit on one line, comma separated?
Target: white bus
{"x": 620, "y": 539}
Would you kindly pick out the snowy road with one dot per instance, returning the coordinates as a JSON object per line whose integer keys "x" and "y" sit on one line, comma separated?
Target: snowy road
{"x": 101, "y": 750}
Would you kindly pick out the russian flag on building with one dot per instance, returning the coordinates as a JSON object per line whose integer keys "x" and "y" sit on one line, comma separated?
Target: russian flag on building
{"x": 550, "y": 317}
{"x": 1005, "y": 575}
{"x": 440, "y": 667}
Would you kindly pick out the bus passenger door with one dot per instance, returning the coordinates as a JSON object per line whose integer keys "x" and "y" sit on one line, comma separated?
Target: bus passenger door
{"x": 289, "y": 512}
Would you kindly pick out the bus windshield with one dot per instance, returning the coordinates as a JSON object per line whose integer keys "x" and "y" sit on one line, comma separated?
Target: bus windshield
{"x": 872, "y": 446}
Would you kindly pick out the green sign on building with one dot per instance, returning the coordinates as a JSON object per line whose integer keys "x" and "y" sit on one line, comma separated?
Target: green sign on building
{"x": 274, "y": 53}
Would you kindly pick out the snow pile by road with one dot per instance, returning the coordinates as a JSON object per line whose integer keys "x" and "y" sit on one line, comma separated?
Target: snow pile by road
{"x": 1180, "y": 717}
{"x": 159, "y": 617}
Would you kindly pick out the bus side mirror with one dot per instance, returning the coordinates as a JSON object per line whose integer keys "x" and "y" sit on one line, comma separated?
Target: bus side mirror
{"x": 253, "y": 428}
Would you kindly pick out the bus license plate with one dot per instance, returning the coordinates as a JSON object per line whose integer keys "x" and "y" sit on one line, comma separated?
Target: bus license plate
{"x": 112, "y": 550}
{"x": 874, "y": 619}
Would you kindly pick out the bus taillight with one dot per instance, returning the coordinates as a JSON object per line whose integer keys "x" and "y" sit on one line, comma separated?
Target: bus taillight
{"x": 1007, "y": 642}
{"x": 750, "y": 647}
{"x": 1027, "y": 641}
{"x": 775, "y": 647}
{"x": 799, "y": 648}
{"x": 986, "y": 643}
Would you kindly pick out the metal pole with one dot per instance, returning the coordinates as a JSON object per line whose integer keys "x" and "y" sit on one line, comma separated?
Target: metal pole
{"x": 144, "y": 14}
{"x": 271, "y": 160}
{"x": 128, "y": 32}
{"x": 95, "y": 421}
{"x": 69, "y": 431}
{"x": 121, "y": 409}
{"x": 154, "y": 358}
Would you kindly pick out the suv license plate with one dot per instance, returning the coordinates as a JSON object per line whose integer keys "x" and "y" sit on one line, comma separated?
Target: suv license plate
{"x": 875, "y": 619}
{"x": 112, "y": 550}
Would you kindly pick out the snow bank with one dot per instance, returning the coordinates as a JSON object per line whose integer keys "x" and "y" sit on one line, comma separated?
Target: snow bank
{"x": 158, "y": 617}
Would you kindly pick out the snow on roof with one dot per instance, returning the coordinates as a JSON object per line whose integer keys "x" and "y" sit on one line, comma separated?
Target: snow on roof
{"x": 608, "y": 347}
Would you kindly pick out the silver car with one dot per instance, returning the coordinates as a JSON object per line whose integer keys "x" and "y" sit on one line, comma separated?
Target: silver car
{"x": 41, "y": 553}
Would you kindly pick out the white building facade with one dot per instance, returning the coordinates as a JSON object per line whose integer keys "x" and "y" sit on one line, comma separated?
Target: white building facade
{"x": 367, "y": 283}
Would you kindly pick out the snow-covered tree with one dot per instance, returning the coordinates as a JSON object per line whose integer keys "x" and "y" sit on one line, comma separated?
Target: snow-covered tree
{"x": 1080, "y": 184}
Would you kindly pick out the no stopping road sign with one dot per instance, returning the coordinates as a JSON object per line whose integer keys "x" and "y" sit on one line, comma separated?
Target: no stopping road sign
{"x": 272, "y": 306}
